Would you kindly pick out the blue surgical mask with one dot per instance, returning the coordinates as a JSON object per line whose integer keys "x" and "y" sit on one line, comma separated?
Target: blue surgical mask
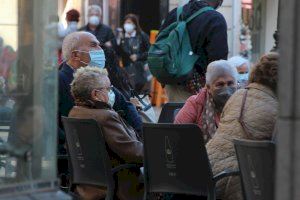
{"x": 97, "y": 58}
{"x": 243, "y": 77}
{"x": 111, "y": 98}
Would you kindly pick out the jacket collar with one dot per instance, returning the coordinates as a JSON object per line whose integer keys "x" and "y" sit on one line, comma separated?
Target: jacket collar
{"x": 94, "y": 105}
{"x": 96, "y": 30}
{"x": 133, "y": 34}
{"x": 262, "y": 88}
{"x": 67, "y": 68}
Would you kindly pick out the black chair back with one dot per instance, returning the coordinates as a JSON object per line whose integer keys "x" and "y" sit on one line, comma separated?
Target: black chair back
{"x": 257, "y": 167}
{"x": 175, "y": 160}
{"x": 89, "y": 158}
{"x": 167, "y": 114}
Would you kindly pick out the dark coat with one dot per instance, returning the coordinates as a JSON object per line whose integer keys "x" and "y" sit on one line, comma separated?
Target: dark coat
{"x": 138, "y": 45}
{"x": 208, "y": 33}
{"x": 103, "y": 34}
{"x": 118, "y": 76}
{"x": 66, "y": 101}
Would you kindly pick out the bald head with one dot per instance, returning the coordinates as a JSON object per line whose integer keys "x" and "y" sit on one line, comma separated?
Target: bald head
{"x": 76, "y": 47}
{"x": 78, "y": 41}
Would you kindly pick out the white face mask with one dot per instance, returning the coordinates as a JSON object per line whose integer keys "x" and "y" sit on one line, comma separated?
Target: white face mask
{"x": 129, "y": 28}
{"x": 94, "y": 20}
{"x": 243, "y": 77}
{"x": 111, "y": 98}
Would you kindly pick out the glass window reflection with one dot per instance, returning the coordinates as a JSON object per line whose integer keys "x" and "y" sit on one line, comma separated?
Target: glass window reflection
{"x": 28, "y": 91}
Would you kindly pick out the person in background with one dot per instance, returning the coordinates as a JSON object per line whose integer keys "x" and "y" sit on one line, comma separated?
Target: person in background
{"x": 208, "y": 37}
{"x": 205, "y": 108}
{"x": 133, "y": 50}
{"x": 117, "y": 75}
{"x": 251, "y": 114}
{"x": 243, "y": 67}
{"x": 72, "y": 18}
{"x": 6, "y": 104}
{"x": 94, "y": 98}
{"x": 103, "y": 33}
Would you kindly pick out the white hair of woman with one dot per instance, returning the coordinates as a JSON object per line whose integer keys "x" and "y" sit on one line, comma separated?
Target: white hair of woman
{"x": 219, "y": 69}
{"x": 238, "y": 61}
{"x": 86, "y": 79}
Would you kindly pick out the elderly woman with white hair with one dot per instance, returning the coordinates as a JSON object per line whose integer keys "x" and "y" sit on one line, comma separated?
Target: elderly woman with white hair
{"x": 250, "y": 113}
{"x": 243, "y": 67}
{"x": 204, "y": 109}
{"x": 92, "y": 91}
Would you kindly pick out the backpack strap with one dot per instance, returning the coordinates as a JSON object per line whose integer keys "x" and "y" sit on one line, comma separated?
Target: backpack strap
{"x": 199, "y": 12}
{"x": 179, "y": 12}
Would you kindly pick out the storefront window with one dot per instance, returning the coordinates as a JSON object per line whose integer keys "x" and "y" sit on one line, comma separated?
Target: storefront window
{"x": 28, "y": 91}
{"x": 253, "y": 30}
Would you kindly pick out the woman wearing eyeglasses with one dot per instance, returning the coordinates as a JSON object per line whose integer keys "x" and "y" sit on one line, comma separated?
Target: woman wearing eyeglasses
{"x": 92, "y": 91}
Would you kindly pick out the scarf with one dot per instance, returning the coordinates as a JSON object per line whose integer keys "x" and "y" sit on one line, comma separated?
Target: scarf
{"x": 209, "y": 125}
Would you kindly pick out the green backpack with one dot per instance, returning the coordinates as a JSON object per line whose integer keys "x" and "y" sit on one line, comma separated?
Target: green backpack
{"x": 171, "y": 59}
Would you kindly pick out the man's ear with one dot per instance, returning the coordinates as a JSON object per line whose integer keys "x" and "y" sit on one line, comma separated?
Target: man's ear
{"x": 94, "y": 94}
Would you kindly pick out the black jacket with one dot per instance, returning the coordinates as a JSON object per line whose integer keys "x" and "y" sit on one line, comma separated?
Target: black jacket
{"x": 138, "y": 45}
{"x": 103, "y": 34}
{"x": 66, "y": 101}
{"x": 208, "y": 32}
{"x": 118, "y": 76}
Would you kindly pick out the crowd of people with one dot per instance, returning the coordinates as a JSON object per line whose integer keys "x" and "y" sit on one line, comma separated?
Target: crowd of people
{"x": 227, "y": 99}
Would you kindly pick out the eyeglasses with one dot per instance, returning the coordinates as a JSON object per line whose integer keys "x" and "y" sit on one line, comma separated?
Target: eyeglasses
{"x": 221, "y": 84}
{"x": 108, "y": 89}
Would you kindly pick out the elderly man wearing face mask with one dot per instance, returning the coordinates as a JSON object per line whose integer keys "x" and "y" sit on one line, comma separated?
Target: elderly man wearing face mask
{"x": 205, "y": 108}
{"x": 103, "y": 33}
{"x": 79, "y": 50}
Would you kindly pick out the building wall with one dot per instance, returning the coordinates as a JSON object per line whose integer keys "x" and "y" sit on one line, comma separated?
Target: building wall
{"x": 271, "y": 23}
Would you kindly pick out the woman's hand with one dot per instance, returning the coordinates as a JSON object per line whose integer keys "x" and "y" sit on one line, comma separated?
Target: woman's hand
{"x": 136, "y": 103}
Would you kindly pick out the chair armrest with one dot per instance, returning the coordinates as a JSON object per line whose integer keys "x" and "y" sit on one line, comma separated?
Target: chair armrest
{"x": 126, "y": 166}
{"x": 225, "y": 173}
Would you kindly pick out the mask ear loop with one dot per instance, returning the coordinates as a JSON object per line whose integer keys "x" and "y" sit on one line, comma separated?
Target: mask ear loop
{"x": 83, "y": 52}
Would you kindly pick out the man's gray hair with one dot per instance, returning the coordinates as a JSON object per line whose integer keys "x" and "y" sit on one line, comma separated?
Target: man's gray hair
{"x": 220, "y": 68}
{"x": 86, "y": 79}
{"x": 95, "y": 8}
{"x": 72, "y": 42}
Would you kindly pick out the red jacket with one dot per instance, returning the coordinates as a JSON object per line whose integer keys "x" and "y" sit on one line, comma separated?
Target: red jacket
{"x": 193, "y": 109}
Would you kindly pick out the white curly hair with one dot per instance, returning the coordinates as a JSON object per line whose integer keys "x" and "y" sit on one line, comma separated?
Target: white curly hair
{"x": 86, "y": 79}
{"x": 219, "y": 69}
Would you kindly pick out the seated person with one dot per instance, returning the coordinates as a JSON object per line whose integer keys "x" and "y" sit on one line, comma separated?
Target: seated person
{"x": 77, "y": 49}
{"x": 204, "y": 109}
{"x": 243, "y": 67}
{"x": 92, "y": 92}
{"x": 259, "y": 106}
